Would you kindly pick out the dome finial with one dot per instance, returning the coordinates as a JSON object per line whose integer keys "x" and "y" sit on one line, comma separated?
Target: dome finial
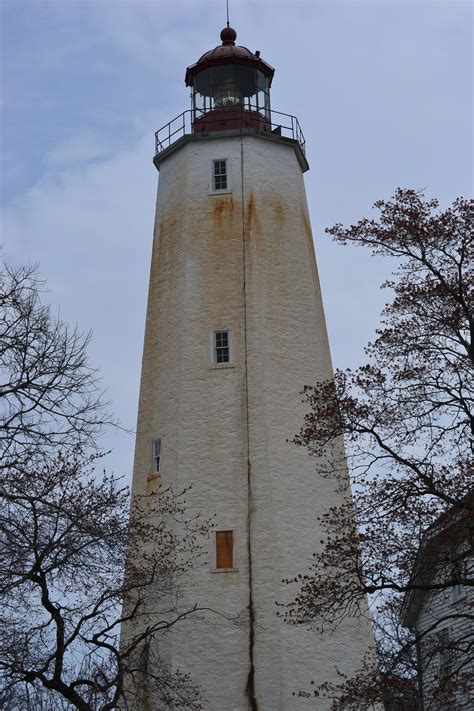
{"x": 228, "y": 35}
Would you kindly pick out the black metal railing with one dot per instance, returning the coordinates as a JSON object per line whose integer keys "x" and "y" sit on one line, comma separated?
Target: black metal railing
{"x": 187, "y": 122}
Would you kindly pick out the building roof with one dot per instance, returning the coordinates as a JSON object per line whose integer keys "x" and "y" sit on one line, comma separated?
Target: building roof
{"x": 447, "y": 534}
{"x": 228, "y": 53}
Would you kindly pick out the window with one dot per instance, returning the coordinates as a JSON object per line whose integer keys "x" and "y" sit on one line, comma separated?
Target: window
{"x": 221, "y": 347}
{"x": 445, "y": 650}
{"x": 156, "y": 455}
{"x": 224, "y": 549}
{"x": 219, "y": 175}
{"x": 458, "y": 572}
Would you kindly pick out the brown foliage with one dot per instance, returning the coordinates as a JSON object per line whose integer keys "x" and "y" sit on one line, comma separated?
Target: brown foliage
{"x": 406, "y": 418}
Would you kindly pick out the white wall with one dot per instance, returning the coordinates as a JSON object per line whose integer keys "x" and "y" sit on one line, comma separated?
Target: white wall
{"x": 442, "y": 612}
{"x": 245, "y": 261}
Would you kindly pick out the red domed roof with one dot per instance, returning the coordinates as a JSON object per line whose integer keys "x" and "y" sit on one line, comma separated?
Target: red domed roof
{"x": 228, "y": 53}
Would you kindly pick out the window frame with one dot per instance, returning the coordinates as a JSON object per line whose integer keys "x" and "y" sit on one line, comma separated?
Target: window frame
{"x": 213, "y": 348}
{"x": 156, "y": 470}
{"x": 458, "y": 570}
{"x": 214, "y": 568}
{"x": 221, "y": 343}
{"x": 215, "y": 190}
{"x": 445, "y": 654}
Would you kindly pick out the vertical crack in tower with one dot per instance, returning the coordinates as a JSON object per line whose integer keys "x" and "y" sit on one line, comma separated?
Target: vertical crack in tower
{"x": 250, "y": 686}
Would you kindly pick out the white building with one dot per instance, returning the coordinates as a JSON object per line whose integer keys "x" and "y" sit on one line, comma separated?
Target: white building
{"x": 235, "y": 328}
{"x": 440, "y": 611}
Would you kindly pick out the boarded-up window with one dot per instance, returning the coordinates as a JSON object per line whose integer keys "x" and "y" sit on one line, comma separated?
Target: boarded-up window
{"x": 224, "y": 549}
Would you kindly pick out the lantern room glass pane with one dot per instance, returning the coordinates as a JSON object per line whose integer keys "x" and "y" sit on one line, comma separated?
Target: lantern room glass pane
{"x": 223, "y": 91}
{"x": 231, "y": 85}
{"x": 263, "y": 96}
{"x": 201, "y": 100}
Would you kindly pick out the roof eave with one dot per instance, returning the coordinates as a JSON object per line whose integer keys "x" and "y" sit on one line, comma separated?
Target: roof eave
{"x": 191, "y": 71}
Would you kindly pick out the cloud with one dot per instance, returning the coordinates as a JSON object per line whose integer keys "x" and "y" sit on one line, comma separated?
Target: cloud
{"x": 90, "y": 229}
{"x": 379, "y": 88}
{"x": 77, "y": 149}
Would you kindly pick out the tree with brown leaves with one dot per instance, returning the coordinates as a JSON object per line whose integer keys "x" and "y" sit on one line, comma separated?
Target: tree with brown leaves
{"x": 407, "y": 421}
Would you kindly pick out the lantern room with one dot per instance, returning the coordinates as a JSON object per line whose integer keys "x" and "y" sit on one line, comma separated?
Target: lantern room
{"x": 230, "y": 88}
{"x": 230, "y": 92}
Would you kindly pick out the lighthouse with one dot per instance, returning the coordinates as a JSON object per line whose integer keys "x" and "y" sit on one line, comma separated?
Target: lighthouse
{"x": 235, "y": 329}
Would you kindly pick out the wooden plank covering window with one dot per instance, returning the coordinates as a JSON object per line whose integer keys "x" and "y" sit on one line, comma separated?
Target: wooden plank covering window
{"x": 224, "y": 549}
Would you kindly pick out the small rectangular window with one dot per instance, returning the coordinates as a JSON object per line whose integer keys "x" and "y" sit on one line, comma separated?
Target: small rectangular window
{"x": 224, "y": 549}
{"x": 445, "y": 651}
{"x": 219, "y": 175}
{"x": 156, "y": 456}
{"x": 458, "y": 573}
{"x": 221, "y": 347}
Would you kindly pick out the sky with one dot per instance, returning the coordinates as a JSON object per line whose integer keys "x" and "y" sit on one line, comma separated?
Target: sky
{"x": 382, "y": 90}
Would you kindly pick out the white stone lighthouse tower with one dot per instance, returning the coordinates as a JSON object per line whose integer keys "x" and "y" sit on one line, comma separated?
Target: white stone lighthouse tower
{"x": 235, "y": 328}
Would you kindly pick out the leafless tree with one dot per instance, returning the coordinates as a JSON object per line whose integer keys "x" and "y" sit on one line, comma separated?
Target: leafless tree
{"x": 407, "y": 421}
{"x": 65, "y": 534}
{"x": 65, "y": 537}
{"x": 49, "y": 393}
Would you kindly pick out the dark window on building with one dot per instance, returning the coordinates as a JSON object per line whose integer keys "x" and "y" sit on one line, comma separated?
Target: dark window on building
{"x": 445, "y": 650}
{"x": 221, "y": 347}
{"x": 458, "y": 573}
{"x": 156, "y": 455}
{"x": 224, "y": 549}
{"x": 219, "y": 174}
